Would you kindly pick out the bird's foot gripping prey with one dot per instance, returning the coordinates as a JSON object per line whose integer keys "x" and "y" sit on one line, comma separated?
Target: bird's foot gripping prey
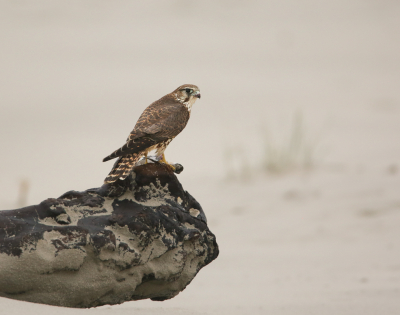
{"x": 158, "y": 125}
{"x": 165, "y": 162}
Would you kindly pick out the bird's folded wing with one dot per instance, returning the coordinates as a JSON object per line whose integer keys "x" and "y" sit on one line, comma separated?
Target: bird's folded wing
{"x": 156, "y": 124}
{"x": 156, "y": 119}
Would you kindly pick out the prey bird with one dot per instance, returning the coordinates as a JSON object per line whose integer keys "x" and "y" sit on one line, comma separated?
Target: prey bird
{"x": 158, "y": 125}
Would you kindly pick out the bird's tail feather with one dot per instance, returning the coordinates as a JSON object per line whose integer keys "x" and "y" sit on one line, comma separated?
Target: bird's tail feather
{"x": 113, "y": 155}
{"x": 123, "y": 167}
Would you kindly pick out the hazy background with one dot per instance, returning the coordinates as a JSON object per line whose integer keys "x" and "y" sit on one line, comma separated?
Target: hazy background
{"x": 76, "y": 75}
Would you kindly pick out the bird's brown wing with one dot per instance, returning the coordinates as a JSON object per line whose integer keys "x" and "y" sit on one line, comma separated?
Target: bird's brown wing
{"x": 164, "y": 115}
{"x": 156, "y": 124}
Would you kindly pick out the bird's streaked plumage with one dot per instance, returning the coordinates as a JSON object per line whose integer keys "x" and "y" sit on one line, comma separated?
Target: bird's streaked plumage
{"x": 158, "y": 125}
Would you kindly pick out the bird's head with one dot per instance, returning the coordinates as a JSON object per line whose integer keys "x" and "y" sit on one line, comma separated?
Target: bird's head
{"x": 187, "y": 94}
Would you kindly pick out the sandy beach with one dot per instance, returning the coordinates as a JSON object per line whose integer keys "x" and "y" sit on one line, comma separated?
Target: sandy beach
{"x": 293, "y": 150}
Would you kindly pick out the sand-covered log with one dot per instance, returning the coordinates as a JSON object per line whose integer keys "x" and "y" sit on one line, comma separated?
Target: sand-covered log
{"x": 144, "y": 237}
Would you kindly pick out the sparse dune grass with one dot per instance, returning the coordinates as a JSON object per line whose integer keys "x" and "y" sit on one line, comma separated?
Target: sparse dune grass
{"x": 295, "y": 151}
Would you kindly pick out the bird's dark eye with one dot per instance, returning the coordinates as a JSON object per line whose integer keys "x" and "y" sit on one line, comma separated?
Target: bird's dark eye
{"x": 189, "y": 91}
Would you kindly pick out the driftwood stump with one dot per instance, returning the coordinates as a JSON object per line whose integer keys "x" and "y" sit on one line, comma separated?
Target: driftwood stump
{"x": 144, "y": 237}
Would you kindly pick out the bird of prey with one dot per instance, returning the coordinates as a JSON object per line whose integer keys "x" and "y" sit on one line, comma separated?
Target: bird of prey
{"x": 158, "y": 125}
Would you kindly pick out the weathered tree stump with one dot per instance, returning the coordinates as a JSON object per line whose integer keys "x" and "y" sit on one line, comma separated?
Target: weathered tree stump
{"x": 144, "y": 237}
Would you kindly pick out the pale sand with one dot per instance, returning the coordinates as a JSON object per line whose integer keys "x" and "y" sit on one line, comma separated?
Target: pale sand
{"x": 76, "y": 76}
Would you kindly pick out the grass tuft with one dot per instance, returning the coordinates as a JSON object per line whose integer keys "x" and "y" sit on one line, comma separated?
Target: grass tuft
{"x": 296, "y": 152}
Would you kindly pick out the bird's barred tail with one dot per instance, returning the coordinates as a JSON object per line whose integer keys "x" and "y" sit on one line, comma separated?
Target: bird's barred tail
{"x": 123, "y": 167}
{"x": 113, "y": 155}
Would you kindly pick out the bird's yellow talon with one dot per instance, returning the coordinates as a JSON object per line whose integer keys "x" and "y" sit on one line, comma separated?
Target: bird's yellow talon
{"x": 165, "y": 162}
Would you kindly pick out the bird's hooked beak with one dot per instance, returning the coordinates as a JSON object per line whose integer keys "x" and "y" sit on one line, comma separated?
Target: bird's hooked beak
{"x": 197, "y": 94}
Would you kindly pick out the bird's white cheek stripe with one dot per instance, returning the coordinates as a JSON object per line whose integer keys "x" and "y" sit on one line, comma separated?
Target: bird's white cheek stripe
{"x": 190, "y": 103}
{"x": 188, "y": 106}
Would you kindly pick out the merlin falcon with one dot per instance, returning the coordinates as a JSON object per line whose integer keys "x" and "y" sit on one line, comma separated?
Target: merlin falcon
{"x": 158, "y": 125}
